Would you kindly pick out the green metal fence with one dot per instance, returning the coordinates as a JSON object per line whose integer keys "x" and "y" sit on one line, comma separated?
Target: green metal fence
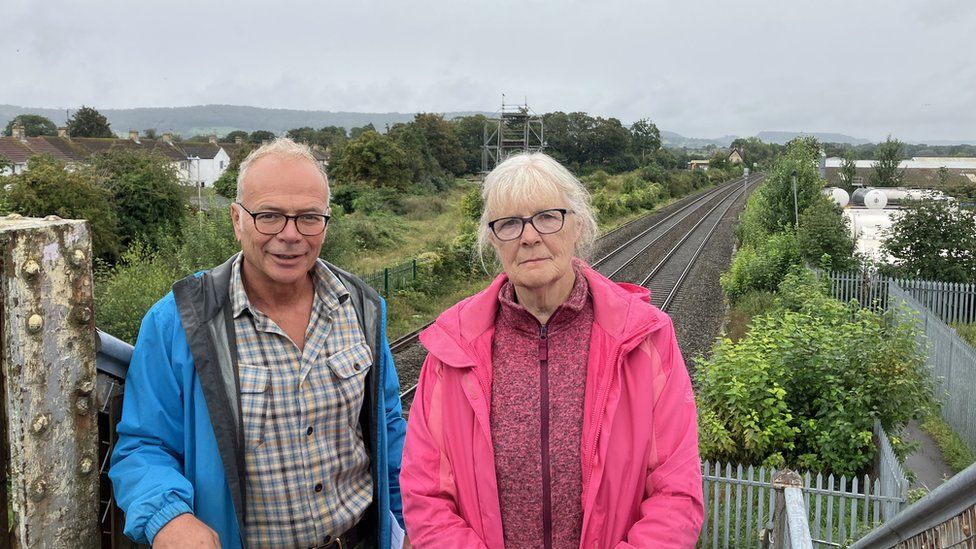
{"x": 393, "y": 278}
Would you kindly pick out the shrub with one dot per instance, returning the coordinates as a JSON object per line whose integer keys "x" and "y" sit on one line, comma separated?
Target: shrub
{"x": 761, "y": 267}
{"x": 824, "y": 231}
{"x": 47, "y": 188}
{"x": 147, "y": 193}
{"x": 806, "y": 383}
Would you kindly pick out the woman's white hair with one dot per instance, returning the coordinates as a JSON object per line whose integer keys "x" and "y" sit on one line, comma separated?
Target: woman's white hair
{"x": 282, "y": 147}
{"x": 527, "y": 176}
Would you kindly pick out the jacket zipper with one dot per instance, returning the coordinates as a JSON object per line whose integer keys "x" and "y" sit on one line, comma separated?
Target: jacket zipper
{"x": 544, "y": 408}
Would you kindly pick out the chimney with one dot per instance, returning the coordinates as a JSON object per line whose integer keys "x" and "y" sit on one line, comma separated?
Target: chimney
{"x": 238, "y": 140}
{"x": 17, "y": 131}
{"x": 212, "y": 138}
{"x": 63, "y": 132}
{"x": 134, "y": 135}
{"x": 167, "y": 137}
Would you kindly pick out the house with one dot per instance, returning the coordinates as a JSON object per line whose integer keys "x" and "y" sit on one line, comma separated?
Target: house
{"x": 195, "y": 163}
{"x": 698, "y": 165}
{"x": 735, "y": 157}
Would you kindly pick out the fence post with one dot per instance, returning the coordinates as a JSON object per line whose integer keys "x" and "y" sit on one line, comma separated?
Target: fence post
{"x": 47, "y": 386}
{"x": 414, "y": 270}
{"x": 386, "y": 281}
{"x": 789, "y": 485}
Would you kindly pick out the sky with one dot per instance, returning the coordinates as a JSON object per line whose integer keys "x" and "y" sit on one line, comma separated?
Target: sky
{"x": 702, "y": 68}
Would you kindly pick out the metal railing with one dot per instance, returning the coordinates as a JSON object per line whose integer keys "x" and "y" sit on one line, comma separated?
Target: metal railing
{"x": 950, "y": 302}
{"x": 944, "y": 518}
{"x": 932, "y": 306}
{"x": 392, "y": 278}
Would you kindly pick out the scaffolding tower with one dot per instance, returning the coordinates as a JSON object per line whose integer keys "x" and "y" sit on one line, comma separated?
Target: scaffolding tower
{"x": 516, "y": 129}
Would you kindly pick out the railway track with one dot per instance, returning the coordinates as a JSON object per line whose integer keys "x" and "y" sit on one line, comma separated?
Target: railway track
{"x": 671, "y": 245}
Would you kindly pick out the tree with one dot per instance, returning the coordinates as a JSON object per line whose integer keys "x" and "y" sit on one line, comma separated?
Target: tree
{"x": 848, "y": 169}
{"x": 374, "y": 158}
{"x": 87, "y": 122}
{"x": 260, "y": 136}
{"x": 824, "y": 231}
{"x": 943, "y": 176}
{"x": 356, "y": 132}
{"x": 470, "y": 131}
{"x": 49, "y": 189}
{"x": 646, "y": 138}
{"x": 933, "y": 240}
{"x": 442, "y": 142}
{"x": 147, "y": 194}
{"x": 5, "y": 163}
{"x": 232, "y": 136}
{"x": 149, "y": 133}
{"x": 226, "y": 184}
{"x": 888, "y": 156}
{"x": 34, "y": 125}
{"x": 418, "y": 160}
{"x": 777, "y": 192}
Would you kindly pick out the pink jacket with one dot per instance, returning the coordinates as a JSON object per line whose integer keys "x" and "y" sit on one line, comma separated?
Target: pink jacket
{"x": 642, "y": 484}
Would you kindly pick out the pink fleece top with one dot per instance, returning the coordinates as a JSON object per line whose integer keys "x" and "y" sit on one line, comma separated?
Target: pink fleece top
{"x": 516, "y": 415}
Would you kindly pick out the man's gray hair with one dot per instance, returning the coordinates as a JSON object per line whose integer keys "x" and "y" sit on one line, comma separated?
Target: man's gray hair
{"x": 284, "y": 147}
{"x": 528, "y": 175}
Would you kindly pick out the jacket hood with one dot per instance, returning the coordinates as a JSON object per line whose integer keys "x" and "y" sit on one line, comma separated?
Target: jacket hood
{"x": 621, "y": 309}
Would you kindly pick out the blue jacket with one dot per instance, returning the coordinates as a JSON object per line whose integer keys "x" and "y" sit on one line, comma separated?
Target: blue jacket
{"x": 179, "y": 446}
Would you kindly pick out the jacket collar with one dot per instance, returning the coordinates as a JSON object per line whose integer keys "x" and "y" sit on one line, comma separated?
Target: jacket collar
{"x": 621, "y": 310}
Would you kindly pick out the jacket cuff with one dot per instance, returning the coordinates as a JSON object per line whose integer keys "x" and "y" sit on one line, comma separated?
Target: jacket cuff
{"x": 163, "y": 516}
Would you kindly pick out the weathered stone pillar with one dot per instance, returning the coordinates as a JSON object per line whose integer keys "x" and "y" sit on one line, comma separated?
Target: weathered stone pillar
{"x": 48, "y": 417}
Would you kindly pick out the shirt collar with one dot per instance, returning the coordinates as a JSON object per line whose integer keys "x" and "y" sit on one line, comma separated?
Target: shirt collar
{"x": 329, "y": 291}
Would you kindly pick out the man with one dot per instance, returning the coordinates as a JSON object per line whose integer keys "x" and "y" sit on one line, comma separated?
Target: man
{"x": 261, "y": 404}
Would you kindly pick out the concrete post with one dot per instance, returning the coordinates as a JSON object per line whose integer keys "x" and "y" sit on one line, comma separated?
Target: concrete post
{"x": 49, "y": 423}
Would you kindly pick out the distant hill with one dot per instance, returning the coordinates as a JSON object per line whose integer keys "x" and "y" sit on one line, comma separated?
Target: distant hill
{"x": 783, "y": 138}
{"x": 221, "y": 119}
{"x": 671, "y": 139}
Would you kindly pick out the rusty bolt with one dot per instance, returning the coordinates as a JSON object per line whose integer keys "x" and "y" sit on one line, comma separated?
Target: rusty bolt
{"x": 85, "y": 466}
{"x": 83, "y": 315}
{"x": 40, "y": 424}
{"x": 38, "y": 490}
{"x": 14, "y": 216}
{"x": 86, "y": 387}
{"x": 35, "y": 323}
{"x": 52, "y": 218}
{"x": 31, "y": 268}
{"x": 83, "y": 405}
{"x": 77, "y": 257}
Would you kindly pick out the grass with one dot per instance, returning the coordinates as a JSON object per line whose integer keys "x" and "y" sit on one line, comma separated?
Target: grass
{"x": 956, "y": 454}
{"x": 409, "y": 310}
{"x": 749, "y": 306}
{"x": 967, "y": 332}
{"x": 433, "y": 220}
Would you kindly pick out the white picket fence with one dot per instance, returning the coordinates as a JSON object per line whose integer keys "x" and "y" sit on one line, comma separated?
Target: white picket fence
{"x": 739, "y": 501}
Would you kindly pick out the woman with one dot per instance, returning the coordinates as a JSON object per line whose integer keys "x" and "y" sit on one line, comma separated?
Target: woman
{"x": 554, "y": 408}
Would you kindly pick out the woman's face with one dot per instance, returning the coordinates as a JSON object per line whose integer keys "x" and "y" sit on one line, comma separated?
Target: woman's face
{"x": 535, "y": 260}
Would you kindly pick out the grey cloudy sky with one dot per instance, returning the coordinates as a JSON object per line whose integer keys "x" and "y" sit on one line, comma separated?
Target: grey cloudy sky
{"x": 701, "y": 68}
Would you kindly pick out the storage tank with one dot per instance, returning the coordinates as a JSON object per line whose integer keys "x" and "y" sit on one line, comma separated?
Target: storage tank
{"x": 838, "y": 195}
{"x": 876, "y": 199}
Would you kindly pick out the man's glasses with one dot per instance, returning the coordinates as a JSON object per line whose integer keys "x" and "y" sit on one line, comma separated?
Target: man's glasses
{"x": 272, "y": 223}
{"x": 545, "y": 222}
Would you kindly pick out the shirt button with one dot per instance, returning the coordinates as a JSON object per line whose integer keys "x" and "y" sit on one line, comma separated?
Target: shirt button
{"x": 318, "y": 487}
{"x": 356, "y": 366}
{"x": 308, "y": 432}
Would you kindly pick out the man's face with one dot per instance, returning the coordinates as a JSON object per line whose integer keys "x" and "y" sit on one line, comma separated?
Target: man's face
{"x": 289, "y": 186}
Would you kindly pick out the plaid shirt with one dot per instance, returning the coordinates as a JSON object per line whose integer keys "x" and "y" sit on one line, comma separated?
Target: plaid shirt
{"x": 307, "y": 466}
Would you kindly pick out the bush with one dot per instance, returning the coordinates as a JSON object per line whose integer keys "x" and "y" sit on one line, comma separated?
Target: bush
{"x": 804, "y": 386}
{"x": 124, "y": 293}
{"x": 147, "y": 193}
{"x": 824, "y": 237}
{"x": 47, "y": 188}
{"x": 472, "y": 204}
{"x": 761, "y": 267}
